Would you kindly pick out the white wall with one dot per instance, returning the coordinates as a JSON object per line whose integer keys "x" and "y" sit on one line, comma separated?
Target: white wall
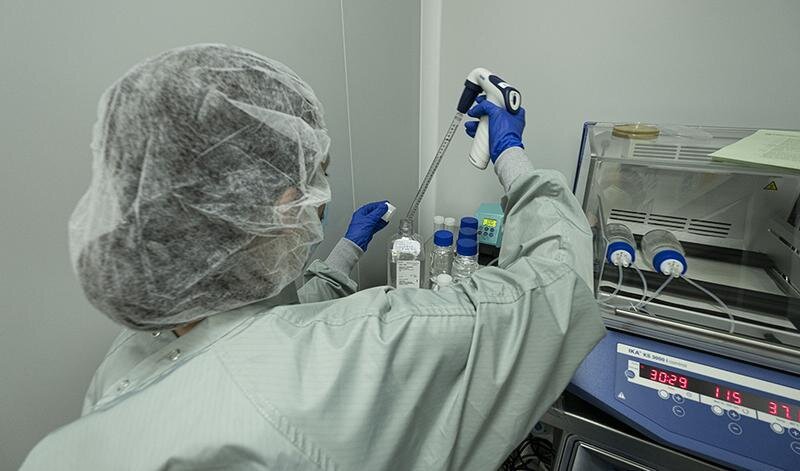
{"x": 722, "y": 62}
{"x": 383, "y": 76}
{"x": 58, "y": 57}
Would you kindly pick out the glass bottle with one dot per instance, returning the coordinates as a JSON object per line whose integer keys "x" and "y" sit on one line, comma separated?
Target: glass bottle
{"x": 440, "y": 259}
{"x": 663, "y": 251}
{"x": 466, "y": 261}
{"x": 405, "y": 257}
{"x": 438, "y": 225}
{"x": 621, "y": 247}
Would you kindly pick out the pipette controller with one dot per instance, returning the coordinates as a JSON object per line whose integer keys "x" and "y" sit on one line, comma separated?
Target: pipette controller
{"x": 497, "y": 91}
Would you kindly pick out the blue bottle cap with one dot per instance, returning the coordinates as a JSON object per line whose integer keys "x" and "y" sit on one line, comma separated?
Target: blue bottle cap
{"x": 620, "y": 245}
{"x": 467, "y": 233}
{"x": 467, "y": 247}
{"x": 469, "y": 222}
{"x": 443, "y": 238}
{"x": 667, "y": 255}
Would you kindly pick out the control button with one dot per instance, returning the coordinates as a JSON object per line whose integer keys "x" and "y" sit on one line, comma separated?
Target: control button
{"x": 630, "y": 374}
{"x": 734, "y": 415}
{"x": 717, "y": 410}
{"x": 678, "y": 410}
{"x": 677, "y": 398}
{"x": 663, "y": 394}
{"x": 735, "y": 428}
{"x": 795, "y": 433}
{"x": 795, "y": 446}
{"x": 776, "y": 427}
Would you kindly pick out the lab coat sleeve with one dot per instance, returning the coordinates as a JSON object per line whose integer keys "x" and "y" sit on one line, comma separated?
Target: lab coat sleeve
{"x": 535, "y": 316}
{"x": 454, "y": 379}
{"x": 328, "y": 280}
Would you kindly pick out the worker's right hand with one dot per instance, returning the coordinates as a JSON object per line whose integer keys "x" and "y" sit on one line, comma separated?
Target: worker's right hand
{"x": 505, "y": 129}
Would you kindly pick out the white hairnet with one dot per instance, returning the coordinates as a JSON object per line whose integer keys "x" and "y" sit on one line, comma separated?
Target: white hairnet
{"x": 206, "y": 179}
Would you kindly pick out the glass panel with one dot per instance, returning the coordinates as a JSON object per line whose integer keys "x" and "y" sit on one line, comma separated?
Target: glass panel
{"x": 737, "y": 224}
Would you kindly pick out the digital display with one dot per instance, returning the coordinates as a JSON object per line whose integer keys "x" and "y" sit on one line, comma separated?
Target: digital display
{"x": 771, "y": 406}
{"x": 490, "y": 222}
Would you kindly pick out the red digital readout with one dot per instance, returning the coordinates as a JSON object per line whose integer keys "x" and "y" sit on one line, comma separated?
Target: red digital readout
{"x": 729, "y": 395}
{"x": 777, "y": 408}
{"x": 783, "y": 410}
{"x": 665, "y": 377}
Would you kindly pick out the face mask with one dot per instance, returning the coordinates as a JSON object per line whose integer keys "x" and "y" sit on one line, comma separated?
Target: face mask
{"x": 324, "y": 218}
{"x": 312, "y": 250}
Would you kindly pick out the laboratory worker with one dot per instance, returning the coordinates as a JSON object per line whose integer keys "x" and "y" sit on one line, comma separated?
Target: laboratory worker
{"x": 208, "y": 186}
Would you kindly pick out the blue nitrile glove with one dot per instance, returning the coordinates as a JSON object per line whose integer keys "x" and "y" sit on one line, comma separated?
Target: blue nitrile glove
{"x": 505, "y": 129}
{"x": 365, "y": 223}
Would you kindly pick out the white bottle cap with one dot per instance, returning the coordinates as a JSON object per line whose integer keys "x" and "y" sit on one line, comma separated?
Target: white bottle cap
{"x": 621, "y": 257}
{"x": 389, "y": 212}
{"x": 671, "y": 267}
{"x": 449, "y": 222}
{"x": 443, "y": 279}
{"x": 438, "y": 219}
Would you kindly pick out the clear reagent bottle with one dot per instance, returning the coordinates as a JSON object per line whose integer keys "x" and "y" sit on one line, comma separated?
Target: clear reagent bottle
{"x": 664, "y": 252}
{"x": 466, "y": 261}
{"x": 405, "y": 258}
{"x": 621, "y": 248}
{"x": 441, "y": 255}
{"x": 438, "y": 225}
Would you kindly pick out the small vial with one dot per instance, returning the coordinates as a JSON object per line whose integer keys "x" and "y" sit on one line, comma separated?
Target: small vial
{"x": 438, "y": 223}
{"x": 390, "y": 209}
{"x": 442, "y": 281}
{"x": 466, "y": 262}
{"x": 450, "y": 225}
{"x": 621, "y": 248}
{"x": 664, "y": 252}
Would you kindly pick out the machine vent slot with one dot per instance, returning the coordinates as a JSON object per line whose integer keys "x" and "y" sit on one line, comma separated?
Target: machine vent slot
{"x": 696, "y": 153}
{"x": 663, "y": 220}
{"x": 654, "y": 151}
{"x": 673, "y": 152}
{"x": 628, "y": 216}
{"x": 709, "y": 228}
{"x": 702, "y": 227}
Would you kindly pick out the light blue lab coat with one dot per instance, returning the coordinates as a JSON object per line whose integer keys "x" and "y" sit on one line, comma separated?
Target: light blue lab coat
{"x": 381, "y": 379}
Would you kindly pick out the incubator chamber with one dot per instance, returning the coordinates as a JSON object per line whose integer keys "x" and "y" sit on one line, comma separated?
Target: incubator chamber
{"x": 738, "y": 225}
{"x": 706, "y": 375}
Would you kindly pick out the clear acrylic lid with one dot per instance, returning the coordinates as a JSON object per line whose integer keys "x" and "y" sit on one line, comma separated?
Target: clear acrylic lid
{"x": 739, "y": 226}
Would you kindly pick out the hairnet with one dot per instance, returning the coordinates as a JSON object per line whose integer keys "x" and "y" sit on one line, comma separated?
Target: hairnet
{"x": 206, "y": 179}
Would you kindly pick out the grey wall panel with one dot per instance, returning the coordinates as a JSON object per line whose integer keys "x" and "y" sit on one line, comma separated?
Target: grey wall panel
{"x": 57, "y": 58}
{"x": 716, "y": 62}
{"x": 383, "y": 70}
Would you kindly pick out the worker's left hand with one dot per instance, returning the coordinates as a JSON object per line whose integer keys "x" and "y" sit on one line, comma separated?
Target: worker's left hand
{"x": 365, "y": 223}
